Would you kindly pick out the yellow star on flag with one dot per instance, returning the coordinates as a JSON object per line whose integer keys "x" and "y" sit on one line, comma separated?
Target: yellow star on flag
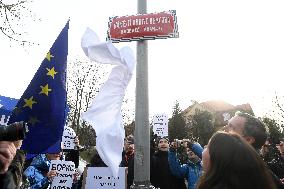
{"x": 51, "y": 72}
{"x": 33, "y": 120}
{"x": 29, "y": 102}
{"x": 49, "y": 56}
{"x": 45, "y": 90}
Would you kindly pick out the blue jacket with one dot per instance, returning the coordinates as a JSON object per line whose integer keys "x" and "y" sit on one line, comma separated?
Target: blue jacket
{"x": 191, "y": 171}
{"x": 36, "y": 172}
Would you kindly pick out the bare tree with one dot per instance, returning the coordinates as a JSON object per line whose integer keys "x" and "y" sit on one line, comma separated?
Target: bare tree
{"x": 84, "y": 81}
{"x": 11, "y": 18}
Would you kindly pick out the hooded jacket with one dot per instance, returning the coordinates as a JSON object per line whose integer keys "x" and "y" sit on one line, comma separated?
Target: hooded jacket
{"x": 36, "y": 172}
{"x": 190, "y": 171}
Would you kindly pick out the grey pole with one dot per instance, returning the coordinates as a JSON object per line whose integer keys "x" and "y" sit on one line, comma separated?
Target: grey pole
{"x": 142, "y": 128}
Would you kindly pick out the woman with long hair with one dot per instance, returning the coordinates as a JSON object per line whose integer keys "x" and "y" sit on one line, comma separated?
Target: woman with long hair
{"x": 229, "y": 162}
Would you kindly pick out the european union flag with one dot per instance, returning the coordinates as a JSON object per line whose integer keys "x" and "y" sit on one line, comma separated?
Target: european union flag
{"x": 43, "y": 104}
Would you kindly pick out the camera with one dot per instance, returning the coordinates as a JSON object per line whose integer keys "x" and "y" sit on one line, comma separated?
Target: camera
{"x": 13, "y": 132}
{"x": 182, "y": 142}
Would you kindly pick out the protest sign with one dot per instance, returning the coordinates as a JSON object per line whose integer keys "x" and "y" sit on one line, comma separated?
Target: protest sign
{"x": 64, "y": 177}
{"x": 101, "y": 178}
{"x": 160, "y": 125}
{"x": 68, "y": 138}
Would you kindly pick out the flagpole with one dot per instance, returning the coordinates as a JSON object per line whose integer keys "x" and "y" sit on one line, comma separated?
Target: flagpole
{"x": 142, "y": 128}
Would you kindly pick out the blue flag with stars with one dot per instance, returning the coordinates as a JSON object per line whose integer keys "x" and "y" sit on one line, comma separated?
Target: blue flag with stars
{"x": 43, "y": 104}
{"x": 6, "y": 106}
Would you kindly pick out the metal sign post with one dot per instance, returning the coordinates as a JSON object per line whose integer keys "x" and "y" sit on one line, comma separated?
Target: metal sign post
{"x": 142, "y": 129}
{"x": 140, "y": 28}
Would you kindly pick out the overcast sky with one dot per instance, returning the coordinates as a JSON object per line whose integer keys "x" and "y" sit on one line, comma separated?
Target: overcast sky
{"x": 228, "y": 50}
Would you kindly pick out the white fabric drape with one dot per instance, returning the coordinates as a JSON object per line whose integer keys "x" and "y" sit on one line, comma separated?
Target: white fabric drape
{"x": 105, "y": 112}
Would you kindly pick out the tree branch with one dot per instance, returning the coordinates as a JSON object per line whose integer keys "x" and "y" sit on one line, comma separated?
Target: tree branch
{"x": 9, "y": 13}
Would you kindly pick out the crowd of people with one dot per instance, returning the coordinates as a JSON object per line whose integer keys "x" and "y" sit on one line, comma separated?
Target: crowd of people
{"x": 240, "y": 156}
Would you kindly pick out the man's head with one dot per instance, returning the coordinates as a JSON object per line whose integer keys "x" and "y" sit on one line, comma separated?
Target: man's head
{"x": 54, "y": 156}
{"x": 249, "y": 127}
{"x": 281, "y": 146}
{"x": 163, "y": 144}
{"x": 265, "y": 148}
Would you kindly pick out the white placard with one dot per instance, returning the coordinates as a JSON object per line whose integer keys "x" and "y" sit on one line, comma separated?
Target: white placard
{"x": 68, "y": 138}
{"x": 65, "y": 171}
{"x": 101, "y": 178}
{"x": 160, "y": 125}
{"x": 68, "y": 144}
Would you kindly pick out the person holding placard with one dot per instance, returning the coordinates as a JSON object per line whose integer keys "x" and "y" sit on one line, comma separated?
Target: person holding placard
{"x": 95, "y": 161}
{"x": 74, "y": 154}
{"x": 38, "y": 172}
{"x": 70, "y": 146}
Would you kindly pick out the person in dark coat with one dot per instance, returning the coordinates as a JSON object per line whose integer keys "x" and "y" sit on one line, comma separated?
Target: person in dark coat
{"x": 128, "y": 159}
{"x": 74, "y": 154}
{"x": 161, "y": 176}
{"x": 273, "y": 158}
{"x": 95, "y": 161}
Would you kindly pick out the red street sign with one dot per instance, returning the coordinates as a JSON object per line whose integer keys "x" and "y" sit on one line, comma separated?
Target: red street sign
{"x": 143, "y": 26}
